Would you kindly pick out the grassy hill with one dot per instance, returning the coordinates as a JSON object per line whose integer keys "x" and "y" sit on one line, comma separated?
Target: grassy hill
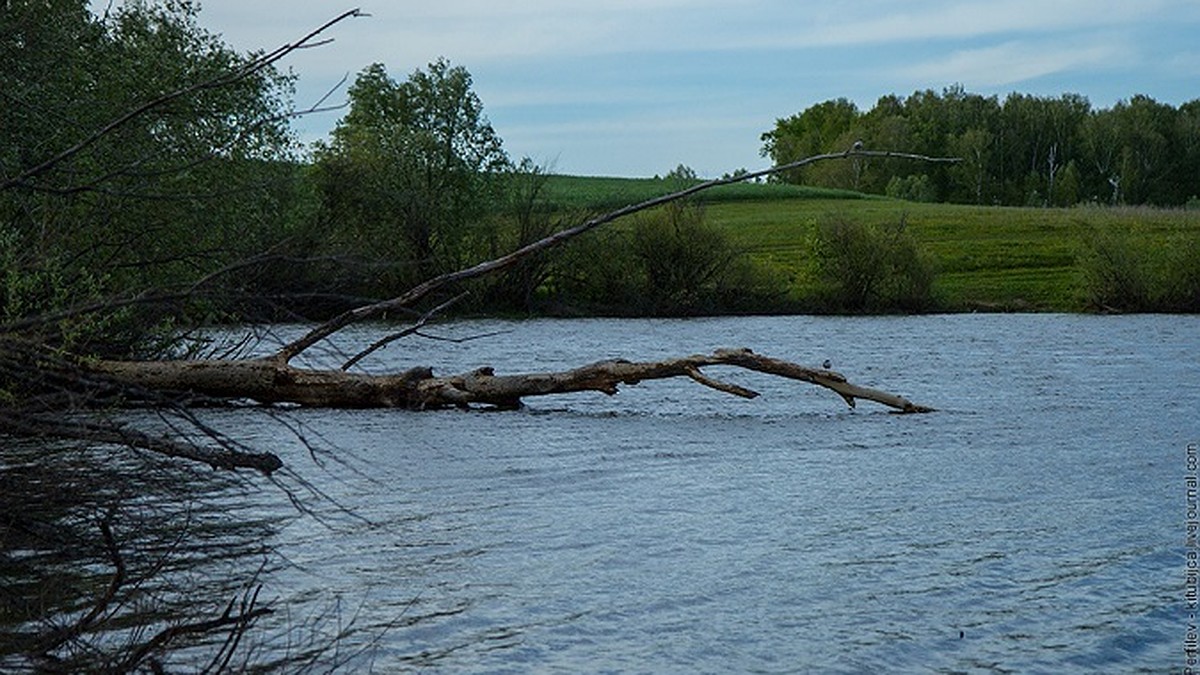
{"x": 985, "y": 257}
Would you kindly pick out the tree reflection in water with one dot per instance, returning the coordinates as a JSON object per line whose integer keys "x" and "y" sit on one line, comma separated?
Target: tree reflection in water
{"x": 114, "y": 561}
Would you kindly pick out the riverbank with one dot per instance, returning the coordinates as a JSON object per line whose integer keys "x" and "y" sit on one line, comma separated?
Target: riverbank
{"x": 983, "y": 257}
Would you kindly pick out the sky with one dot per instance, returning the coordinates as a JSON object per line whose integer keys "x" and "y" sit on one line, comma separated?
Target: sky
{"x": 638, "y": 87}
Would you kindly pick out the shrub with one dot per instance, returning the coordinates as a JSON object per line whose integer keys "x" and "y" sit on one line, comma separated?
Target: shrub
{"x": 862, "y": 268}
{"x": 668, "y": 262}
{"x": 1116, "y": 274}
{"x": 1129, "y": 271}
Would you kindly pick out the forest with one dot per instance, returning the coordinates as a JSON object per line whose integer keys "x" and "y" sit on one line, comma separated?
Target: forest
{"x": 1023, "y": 150}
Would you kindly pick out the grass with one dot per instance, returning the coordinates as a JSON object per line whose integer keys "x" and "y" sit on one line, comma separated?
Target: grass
{"x": 986, "y": 257}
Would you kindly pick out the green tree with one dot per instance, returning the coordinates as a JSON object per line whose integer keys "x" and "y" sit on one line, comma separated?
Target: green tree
{"x": 972, "y": 176}
{"x": 1037, "y": 138}
{"x": 138, "y": 150}
{"x": 526, "y": 216}
{"x": 1148, "y": 154}
{"x": 1067, "y": 188}
{"x": 1186, "y": 177}
{"x": 410, "y": 168}
{"x": 1018, "y": 152}
{"x": 1101, "y": 137}
{"x": 810, "y": 132}
{"x": 884, "y": 127}
{"x": 139, "y": 158}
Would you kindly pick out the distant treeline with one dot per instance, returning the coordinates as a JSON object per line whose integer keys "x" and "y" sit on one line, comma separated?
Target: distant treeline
{"x": 1021, "y": 151}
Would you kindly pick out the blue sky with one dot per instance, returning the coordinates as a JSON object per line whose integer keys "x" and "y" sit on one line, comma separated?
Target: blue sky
{"x": 637, "y": 87}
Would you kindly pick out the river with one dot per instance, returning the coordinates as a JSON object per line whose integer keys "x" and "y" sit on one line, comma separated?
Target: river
{"x": 1035, "y": 523}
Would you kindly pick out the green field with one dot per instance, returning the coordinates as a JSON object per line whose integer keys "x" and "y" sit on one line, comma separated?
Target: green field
{"x": 987, "y": 258}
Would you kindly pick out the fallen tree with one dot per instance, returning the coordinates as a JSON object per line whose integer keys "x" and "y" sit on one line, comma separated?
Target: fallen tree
{"x": 274, "y": 380}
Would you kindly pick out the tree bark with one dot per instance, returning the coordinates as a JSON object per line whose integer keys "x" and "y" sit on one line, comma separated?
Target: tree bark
{"x": 274, "y": 381}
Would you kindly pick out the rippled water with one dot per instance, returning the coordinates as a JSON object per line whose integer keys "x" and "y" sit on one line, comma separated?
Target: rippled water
{"x": 1034, "y": 524}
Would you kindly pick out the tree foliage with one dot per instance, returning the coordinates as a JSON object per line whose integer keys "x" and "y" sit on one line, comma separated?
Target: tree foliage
{"x": 1023, "y": 150}
{"x": 138, "y": 151}
{"x": 410, "y": 169}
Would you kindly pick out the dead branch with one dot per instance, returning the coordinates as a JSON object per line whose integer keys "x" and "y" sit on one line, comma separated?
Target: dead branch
{"x": 223, "y": 457}
{"x": 237, "y": 624}
{"x": 415, "y": 328}
{"x": 271, "y": 381}
{"x": 56, "y": 638}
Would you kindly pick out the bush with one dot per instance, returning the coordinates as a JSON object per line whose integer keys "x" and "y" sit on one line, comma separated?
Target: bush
{"x": 863, "y": 268}
{"x": 669, "y": 262}
{"x": 682, "y": 259}
{"x": 1129, "y": 271}
{"x": 1116, "y": 274}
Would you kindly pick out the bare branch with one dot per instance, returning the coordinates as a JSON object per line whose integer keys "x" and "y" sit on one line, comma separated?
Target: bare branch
{"x": 416, "y": 327}
{"x": 218, "y": 458}
{"x": 237, "y": 623}
{"x": 726, "y": 387}
{"x": 57, "y": 638}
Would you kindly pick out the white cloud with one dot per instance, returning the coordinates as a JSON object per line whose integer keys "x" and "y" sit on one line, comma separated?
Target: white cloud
{"x": 466, "y": 30}
{"x": 407, "y": 35}
{"x": 895, "y": 22}
{"x": 469, "y": 29}
{"x": 1016, "y": 61}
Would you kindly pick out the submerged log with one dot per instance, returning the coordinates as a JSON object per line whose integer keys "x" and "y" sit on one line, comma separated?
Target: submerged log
{"x": 273, "y": 380}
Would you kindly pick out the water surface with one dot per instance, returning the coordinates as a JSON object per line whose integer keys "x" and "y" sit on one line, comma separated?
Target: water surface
{"x": 1033, "y": 524}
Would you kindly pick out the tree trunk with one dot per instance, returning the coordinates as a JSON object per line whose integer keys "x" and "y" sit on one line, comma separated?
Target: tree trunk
{"x": 273, "y": 380}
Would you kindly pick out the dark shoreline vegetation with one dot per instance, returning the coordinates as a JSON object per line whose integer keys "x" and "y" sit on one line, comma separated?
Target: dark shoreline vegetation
{"x": 151, "y": 189}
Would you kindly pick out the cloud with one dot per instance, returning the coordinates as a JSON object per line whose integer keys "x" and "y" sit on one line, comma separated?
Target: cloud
{"x": 469, "y": 29}
{"x": 882, "y": 22}
{"x": 474, "y": 31}
{"x": 1016, "y": 61}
